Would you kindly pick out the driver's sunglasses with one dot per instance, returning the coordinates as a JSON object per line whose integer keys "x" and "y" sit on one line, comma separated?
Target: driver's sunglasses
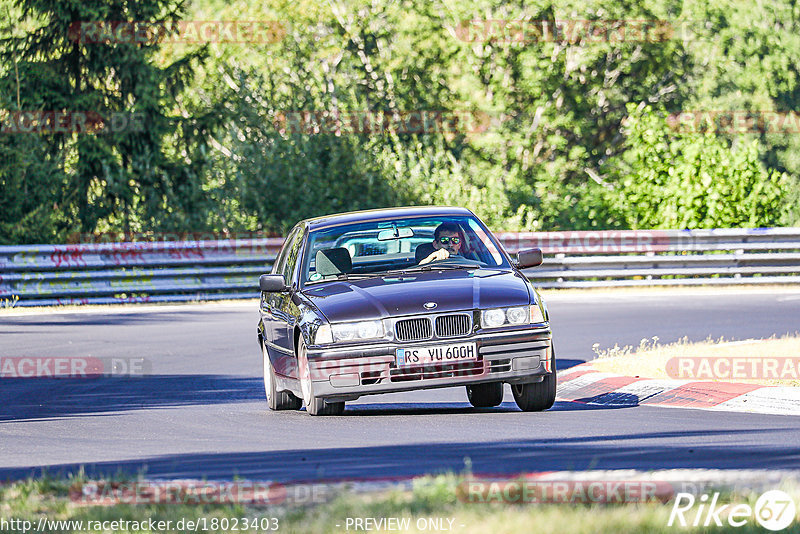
{"x": 448, "y": 240}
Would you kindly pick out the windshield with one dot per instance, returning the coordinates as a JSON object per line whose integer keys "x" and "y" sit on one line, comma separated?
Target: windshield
{"x": 377, "y": 247}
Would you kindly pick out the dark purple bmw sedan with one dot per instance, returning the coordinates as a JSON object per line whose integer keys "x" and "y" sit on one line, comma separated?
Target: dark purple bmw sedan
{"x": 402, "y": 299}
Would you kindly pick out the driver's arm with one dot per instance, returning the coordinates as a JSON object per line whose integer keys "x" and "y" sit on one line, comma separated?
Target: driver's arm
{"x": 437, "y": 255}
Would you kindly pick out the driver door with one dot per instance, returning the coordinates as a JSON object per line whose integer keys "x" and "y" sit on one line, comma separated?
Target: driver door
{"x": 285, "y": 312}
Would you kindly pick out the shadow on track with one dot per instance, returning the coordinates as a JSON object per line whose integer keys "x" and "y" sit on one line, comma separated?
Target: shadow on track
{"x": 26, "y": 399}
{"x": 562, "y": 363}
{"x": 29, "y": 399}
{"x": 111, "y": 318}
{"x": 455, "y": 408}
{"x": 640, "y": 450}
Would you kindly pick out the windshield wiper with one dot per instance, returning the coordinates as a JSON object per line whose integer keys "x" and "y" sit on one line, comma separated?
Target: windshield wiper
{"x": 413, "y": 269}
{"x": 345, "y": 276}
{"x": 435, "y": 267}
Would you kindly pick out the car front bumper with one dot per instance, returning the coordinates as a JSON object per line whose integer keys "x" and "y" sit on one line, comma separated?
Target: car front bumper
{"x": 346, "y": 373}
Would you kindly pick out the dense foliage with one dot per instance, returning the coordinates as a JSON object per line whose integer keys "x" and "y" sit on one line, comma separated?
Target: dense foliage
{"x": 536, "y": 133}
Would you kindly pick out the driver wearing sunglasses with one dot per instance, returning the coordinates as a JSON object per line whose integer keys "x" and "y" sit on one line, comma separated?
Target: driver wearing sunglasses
{"x": 447, "y": 241}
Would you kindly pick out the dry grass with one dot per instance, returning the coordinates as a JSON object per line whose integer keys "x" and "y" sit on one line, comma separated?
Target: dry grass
{"x": 654, "y": 360}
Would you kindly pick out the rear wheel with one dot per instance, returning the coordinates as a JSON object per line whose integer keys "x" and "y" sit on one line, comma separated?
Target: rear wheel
{"x": 485, "y": 395}
{"x": 537, "y": 396}
{"x": 276, "y": 400}
{"x": 314, "y": 405}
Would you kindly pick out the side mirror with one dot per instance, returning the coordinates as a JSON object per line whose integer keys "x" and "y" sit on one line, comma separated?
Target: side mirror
{"x": 529, "y": 258}
{"x": 272, "y": 283}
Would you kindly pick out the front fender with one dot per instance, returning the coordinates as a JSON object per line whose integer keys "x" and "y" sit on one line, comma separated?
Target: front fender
{"x": 261, "y": 333}
{"x": 542, "y": 304}
{"x": 307, "y": 323}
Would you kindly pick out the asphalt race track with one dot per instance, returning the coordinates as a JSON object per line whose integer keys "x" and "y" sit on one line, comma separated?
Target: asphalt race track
{"x": 200, "y": 412}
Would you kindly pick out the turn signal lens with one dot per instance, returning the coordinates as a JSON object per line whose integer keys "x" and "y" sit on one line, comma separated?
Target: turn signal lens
{"x": 536, "y": 314}
{"x": 324, "y": 335}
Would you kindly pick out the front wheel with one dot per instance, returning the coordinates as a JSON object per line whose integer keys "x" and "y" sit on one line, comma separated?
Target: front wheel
{"x": 485, "y": 395}
{"x": 314, "y": 405}
{"x": 537, "y": 396}
{"x": 276, "y": 400}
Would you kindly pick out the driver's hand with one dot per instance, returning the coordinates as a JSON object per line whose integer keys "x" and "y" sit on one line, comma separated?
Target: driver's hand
{"x": 439, "y": 255}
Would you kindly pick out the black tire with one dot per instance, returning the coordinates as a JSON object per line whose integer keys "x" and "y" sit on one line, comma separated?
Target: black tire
{"x": 314, "y": 405}
{"x": 485, "y": 395}
{"x": 537, "y": 396}
{"x": 320, "y": 407}
{"x": 276, "y": 400}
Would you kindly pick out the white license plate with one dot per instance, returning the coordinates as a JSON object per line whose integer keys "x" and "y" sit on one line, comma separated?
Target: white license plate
{"x": 456, "y": 352}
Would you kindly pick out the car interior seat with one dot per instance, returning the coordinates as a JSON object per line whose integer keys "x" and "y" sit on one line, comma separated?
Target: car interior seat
{"x": 333, "y": 261}
{"x": 423, "y": 251}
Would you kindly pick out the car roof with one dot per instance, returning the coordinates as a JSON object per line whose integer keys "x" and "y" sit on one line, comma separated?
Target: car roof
{"x": 379, "y": 214}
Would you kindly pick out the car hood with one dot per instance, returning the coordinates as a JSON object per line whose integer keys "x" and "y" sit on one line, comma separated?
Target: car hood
{"x": 382, "y": 297}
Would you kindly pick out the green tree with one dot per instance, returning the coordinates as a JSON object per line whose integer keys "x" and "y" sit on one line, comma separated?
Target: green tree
{"x": 143, "y": 170}
{"x": 577, "y": 138}
{"x": 667, "y": 179}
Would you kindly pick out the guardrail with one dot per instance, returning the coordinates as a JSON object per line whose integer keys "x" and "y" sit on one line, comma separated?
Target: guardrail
{"x": 663, "y": 257}
{"x": 108, "y": 273}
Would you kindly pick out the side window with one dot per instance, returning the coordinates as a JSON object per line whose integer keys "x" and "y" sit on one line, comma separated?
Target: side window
{"x": 294, "y": 242}
{"x": 280, "y": 262}
{"x": 484, "y": 245}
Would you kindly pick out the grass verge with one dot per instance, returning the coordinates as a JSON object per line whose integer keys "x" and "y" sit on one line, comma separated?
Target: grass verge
{"x": 432, "y": 503}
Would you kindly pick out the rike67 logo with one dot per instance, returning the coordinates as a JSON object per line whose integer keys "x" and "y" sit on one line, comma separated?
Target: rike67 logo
{"x": 774, "y": 510}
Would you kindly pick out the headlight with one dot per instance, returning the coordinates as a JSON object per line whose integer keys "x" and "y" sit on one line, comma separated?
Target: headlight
{"x": 517, "y": 315}
{"x": 493, "y": 318}
{"x": 368, "y": 329}
{"x": 356, "y": 331}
